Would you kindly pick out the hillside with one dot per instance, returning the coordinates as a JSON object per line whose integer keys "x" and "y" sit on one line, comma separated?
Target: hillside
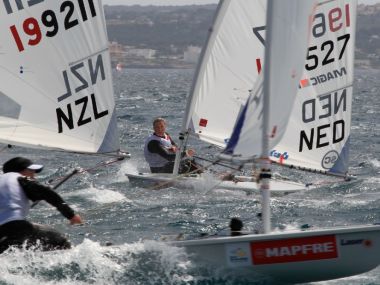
{"x": 171, "y": 29}
{"x": 165, "y": 29}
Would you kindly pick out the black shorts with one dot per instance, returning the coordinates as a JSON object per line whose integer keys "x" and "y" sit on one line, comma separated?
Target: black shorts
{"x": 186, "y": 166}
{"x": 167, "y": 168}
{"x": 20, "y": 233}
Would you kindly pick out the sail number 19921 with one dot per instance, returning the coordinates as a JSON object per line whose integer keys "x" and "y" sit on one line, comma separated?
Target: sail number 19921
{"x": 31, "y": 32}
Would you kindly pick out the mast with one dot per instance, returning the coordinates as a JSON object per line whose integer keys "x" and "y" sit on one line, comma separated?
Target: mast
{"x": 287, "y": 32}
{"x": 265, "y": 162}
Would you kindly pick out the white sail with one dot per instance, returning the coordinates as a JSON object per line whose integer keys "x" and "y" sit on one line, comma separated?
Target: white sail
{"x": 286, "y": 60}
{"x": 229, "y": 68}
{"x": 56, "y": 89}
{"x": 317, "y": 136}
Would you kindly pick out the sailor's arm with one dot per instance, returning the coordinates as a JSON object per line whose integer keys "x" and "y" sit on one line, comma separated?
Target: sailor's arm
{"x": 36, "y": 191}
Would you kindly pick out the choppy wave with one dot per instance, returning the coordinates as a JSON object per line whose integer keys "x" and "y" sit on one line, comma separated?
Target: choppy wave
{"x": 134, "y": 219}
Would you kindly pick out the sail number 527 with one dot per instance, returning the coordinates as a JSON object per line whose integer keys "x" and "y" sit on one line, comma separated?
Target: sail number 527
{"x": 333, "y": 21}
{"x": 327, "y": 47}
{"x": 31, "y": 27}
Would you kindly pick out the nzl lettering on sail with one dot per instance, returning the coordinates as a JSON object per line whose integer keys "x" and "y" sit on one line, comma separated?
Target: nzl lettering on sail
{"x": 93, "y": 69}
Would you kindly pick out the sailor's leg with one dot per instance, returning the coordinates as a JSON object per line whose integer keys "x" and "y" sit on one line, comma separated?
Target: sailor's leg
{"x": 49, "y": 238}
{"x": 15, "y": 233}
{"x": 167, "y": 168}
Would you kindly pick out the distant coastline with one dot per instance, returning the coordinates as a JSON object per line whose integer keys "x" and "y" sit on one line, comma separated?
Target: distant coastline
{"x": 172, "y": 36}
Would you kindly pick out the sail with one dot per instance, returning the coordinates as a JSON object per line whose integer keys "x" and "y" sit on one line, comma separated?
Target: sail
{"x": 56, "y": 90}
{"x": 286, "y": 56}
{"x": 229, "y": 68}
{"x": 318, "y": 133}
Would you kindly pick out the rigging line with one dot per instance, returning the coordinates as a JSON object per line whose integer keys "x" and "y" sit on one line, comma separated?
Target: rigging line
{"x": 183, "y": 138}
{"x": 221, "y": 180}
{"x": 325, "y": 2}
{"x": 88, "y": 170}
{"x": 217, "y": 163}
{"x": 104, "y": 163}
{"x": 62, "y": 180}
{"x": 113, "y": 154}
{"x": 228, "y": 68}
{"x": 326, "y": 182}
{"x": 187, "y": 134}
{"x": 5, "y": 148}
{"x": 350, "y": 84}
{"x": 322, "y": 172}
{"x": 89, "y": 56}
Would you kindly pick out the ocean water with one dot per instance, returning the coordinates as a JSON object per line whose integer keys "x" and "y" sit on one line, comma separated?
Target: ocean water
{"x": 135, "y": 219}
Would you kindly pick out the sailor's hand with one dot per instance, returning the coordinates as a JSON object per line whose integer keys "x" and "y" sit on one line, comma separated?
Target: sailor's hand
{"x": 172, "y": 149}
{"x": 190, "y": 152}
{"x": 76, "y": 220}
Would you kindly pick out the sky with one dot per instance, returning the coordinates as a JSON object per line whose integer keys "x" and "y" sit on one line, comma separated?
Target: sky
{"x": 185, "y": 2}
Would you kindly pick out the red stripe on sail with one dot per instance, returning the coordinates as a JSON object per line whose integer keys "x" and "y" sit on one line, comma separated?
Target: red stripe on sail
{"x": 258, "y": 64}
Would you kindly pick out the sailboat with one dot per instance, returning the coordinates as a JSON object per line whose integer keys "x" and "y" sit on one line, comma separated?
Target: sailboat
{"x": 57, "y": 90}
{"x": 230, "y": 64}
{"x": 297, "y": 256}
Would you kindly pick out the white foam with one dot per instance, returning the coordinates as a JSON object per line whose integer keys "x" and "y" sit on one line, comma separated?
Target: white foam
{"x": 91, "y": 263}
{"x": 133, "y": 167}
{"x": 375, "y": 163}
{"x": 101, "y": 196}
{"x": 375, "y": 180}
{"x": 135, "y": 98}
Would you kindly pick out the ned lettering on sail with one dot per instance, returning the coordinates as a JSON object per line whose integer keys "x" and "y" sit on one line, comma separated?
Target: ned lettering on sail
{"x": 329, "y": 105}
{"x": 79, "y": 77}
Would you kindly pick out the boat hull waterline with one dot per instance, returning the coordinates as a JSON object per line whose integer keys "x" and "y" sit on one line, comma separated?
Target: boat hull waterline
{"x": 302, "y": 256}
{"x": 242, "y": 183}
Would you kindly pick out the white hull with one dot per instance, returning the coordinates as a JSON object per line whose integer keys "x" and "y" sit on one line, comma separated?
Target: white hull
{"x": 163, "y": 180}
{"x": 303, "y": 256}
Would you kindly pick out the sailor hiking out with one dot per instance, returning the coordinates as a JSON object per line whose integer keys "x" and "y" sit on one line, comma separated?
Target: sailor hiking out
{"x": 17, "y": 189}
